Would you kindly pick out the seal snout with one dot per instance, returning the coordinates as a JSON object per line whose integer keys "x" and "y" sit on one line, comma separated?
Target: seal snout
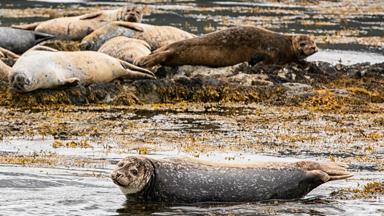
{"x": 86, "y": 45}
{"x": 19, "y": 82}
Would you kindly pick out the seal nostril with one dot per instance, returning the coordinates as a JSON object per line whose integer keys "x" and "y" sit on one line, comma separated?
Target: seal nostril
{"x": 118, "y": 174}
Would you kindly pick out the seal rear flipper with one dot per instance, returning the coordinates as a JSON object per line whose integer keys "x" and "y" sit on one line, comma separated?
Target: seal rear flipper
{"x": 135, "y": 72}
{"x": 91, "y": 16}
{"x": 31, "y": 26}
{"x": 335, "y": 171}
{"x": 40, "y": 37}
{"x": 130, "y": 25}
{"x": 8, "y": 54}
{"x": 153, "y": 59}
{"x": 43, "y": 48}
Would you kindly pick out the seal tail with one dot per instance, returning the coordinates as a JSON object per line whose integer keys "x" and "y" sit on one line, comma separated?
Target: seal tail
{"x": 327, "y": 171}
{"x": 153, "y": 59}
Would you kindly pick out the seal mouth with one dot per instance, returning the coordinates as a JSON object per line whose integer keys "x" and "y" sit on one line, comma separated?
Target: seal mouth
{"x": 19, "y": 82}
{"x": 118, "y": 183}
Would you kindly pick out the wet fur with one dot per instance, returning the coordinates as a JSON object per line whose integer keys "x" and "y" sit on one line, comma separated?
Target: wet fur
{"x": 232, "y": 46}
{"x": 189, "y": 180}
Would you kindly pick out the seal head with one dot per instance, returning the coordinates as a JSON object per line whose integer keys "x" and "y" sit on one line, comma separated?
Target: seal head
{"x": 131, "y": 14}
{"x": 20, "y": 82}
{"x": 303, "y": 46}
{"x": 133, "y": 174}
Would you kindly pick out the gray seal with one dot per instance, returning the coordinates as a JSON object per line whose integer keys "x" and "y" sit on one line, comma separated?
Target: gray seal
{"x": 19, "y": 41}
{"x": 175, "y": 180}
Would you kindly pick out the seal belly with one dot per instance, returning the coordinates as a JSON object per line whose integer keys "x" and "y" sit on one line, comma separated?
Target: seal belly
{"x": 196, "y": 184}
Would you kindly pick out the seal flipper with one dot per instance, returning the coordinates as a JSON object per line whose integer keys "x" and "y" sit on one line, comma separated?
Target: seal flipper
{"x": 153, "y": 59}
{"x": 91, "y": 16}
{"x": 31, "y": 26}
{"x": 8, "y": 54}
{"x": 43, "y": 48}
{"x": 333, "y": 170}
{"x": 135, "y": 72}
{"x": 130, "y": 25}
{"x": 40, "y": 37}
{"x": 256, "y": 59}
{"x": 70, "y": 81}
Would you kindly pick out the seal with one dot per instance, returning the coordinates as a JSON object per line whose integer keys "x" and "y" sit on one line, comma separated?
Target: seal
{"x": 19, "y": 41}
{"x": 42, "y": 68}
{"x": 5, "y": 70}
{"x": 126, "y": 49}
{"x": 232, "y": 46}
{"x": 174, "y": 180}
{"x": 155, "y": 36}
{"x": 76, "y": 28}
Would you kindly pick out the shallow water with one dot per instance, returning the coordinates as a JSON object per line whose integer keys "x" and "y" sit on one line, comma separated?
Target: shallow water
{"x": 77, "y": 182}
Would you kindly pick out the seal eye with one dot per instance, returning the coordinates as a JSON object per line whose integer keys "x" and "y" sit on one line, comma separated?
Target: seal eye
{"x": 302, "y": 44}
{"x": 134, "y": 172}
{"x": 120, "y": 164}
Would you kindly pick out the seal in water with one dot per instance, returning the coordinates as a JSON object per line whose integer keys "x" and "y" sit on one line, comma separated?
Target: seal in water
{"x": 232, "y": 46}
{"x": 76, "y": 28}
{"x": 188, "y": 181}
{"x": 42, "y": 68}
{"x": 19, "y": 41}
{"x": 126, "y": 49}
{"x": 155, "y": 36}
{"x": 5, "y": 70}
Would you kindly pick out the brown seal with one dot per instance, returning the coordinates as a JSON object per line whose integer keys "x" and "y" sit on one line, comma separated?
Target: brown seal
{"x": 126, "y": 49}
{"x": 177, "y": 180}
{"x": 232, "y": 46}
{"x": 76, "y": 28}
{"x": 155, "y": 36}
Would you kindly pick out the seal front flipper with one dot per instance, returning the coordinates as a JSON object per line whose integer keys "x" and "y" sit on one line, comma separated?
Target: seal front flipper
{"x": 31, "y": 26}
{"x": 135, "y": 72}
{"x": 133, "y": 26}
{"x": 256, "y": 59}
{"x": 70, "y": 82}
{"x": 90, "y": 16}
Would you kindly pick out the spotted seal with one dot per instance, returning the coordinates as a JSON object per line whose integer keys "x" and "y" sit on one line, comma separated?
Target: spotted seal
{"x": 126, "y": 49}
{"x": 75, "y": 28}
{"x": 155, "y": 36}
{"x": 42, "y": 68}
{"x": 175, "y": 180}
{"x": 19, "y": 41}
{"x": 232, "y": 46}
